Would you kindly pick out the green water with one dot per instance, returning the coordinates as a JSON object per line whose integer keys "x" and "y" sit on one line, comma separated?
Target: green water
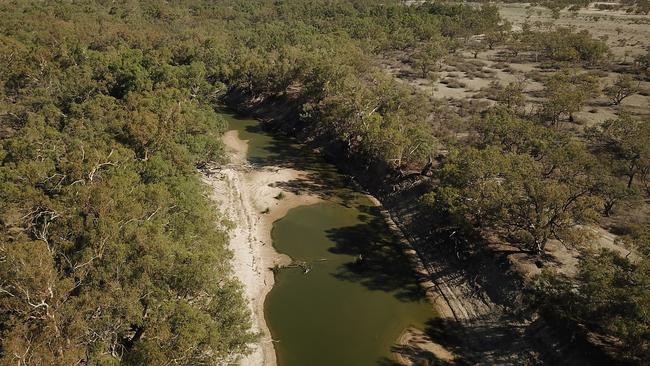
{"x": 344, "y": 311}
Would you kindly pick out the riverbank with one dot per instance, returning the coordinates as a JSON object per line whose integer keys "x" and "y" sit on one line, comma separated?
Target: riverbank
{"x": 476, "y": 323}
{"x": 247, "y": 195}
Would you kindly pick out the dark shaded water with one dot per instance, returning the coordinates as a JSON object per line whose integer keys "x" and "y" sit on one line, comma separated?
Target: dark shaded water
{"x": 359, "y": 294}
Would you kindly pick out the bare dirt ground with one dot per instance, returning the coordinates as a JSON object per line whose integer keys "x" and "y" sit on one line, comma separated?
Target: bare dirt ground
{"x": 244, "y": 193}
{"x": 463, "y": 80}
{"x": 626, "y": 34}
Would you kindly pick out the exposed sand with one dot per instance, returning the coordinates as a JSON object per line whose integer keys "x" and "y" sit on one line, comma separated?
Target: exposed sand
{"x": 419, "y": 347}
{"x": 243, "y": 192}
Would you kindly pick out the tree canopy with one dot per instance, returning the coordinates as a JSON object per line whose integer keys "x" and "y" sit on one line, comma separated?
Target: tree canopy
{"x": 111, "y": 252}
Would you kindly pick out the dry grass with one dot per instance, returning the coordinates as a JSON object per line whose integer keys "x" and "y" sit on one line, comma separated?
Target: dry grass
{"x": 453, "y": 83}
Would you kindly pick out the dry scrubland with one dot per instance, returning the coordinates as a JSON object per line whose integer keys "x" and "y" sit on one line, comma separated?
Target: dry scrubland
{"x": 465, "y": 82}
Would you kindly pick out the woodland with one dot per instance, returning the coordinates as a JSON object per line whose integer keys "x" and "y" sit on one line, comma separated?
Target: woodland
{"x": 111, "y": 251}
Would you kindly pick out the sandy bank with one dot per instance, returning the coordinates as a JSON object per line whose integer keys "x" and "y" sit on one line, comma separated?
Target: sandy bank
{"x": 243, "y": 193}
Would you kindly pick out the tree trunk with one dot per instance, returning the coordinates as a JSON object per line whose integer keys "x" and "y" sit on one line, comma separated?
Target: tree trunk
{"x": 540, "y": 245}
{"x": 630, "y": 180}
{"x": 130, "y": 342}
{"x": 427, "y": 167}
{"x": 608, "y": 208}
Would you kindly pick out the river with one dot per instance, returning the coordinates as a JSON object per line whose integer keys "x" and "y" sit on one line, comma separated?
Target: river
{"x": 353, "y": 294}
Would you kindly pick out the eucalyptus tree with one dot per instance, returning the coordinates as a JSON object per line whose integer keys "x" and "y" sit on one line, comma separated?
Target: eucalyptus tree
{"x": 566, "y": 92}
{"x": 623, "y": 87}
{"x": 625, "y": 141}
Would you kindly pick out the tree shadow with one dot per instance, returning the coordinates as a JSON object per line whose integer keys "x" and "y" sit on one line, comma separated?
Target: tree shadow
{"x": 325, "y": 184}
{"x": 282, "y": 150}
{"x": 416, "y": 353}
{"x": 381, "y": 264}
{"x": 321, "y": 178}
{"x": 493, "y": 341}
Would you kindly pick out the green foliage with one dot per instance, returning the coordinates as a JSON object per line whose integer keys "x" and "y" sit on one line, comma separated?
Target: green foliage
{"x": 322, "y": 56}
{"x": 560, "y": 45}
{"x": 566, "y": 93}
{"x": 510, "y": 96}
{"x": 498, "y": 34}
{"x": 461, "y": 21}
{"x": 613, "y": 191}
{"x": 623, "y": 87}
{"x": 377, "y": 118}
{"x": 521, "y": 180}
{"x": 624, "y": 142}
{"x": 110, "y": 250}
{"x": 609, "y": 296}
{"x": 429, "y": 57}
{"x": 642, "y": 63}
{"x": 476, "y": 46}
{"x": 556, "y": 5}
